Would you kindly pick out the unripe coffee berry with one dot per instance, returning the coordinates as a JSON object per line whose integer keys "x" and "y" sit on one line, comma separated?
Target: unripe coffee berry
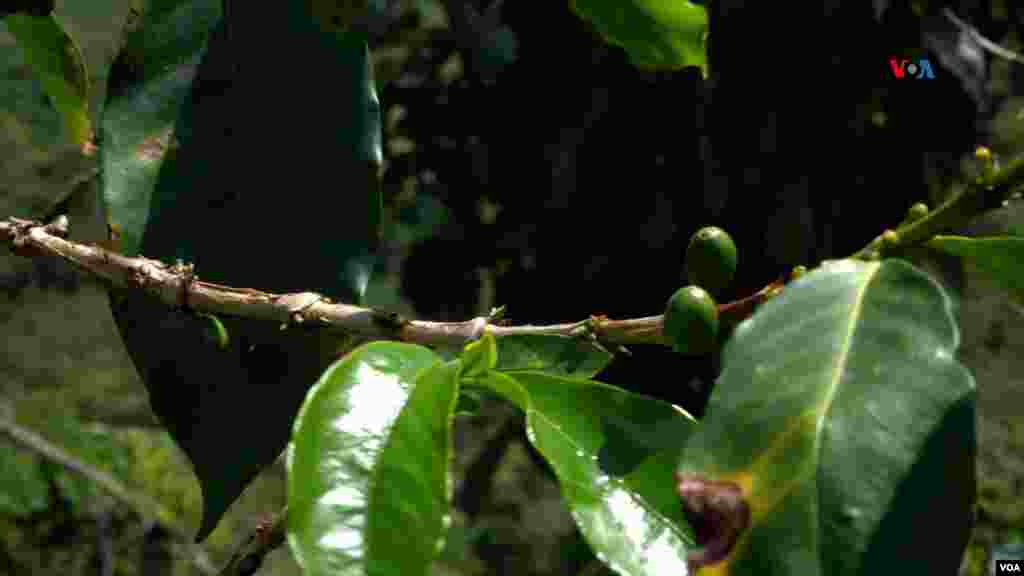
{"x": 691, "y": 321}
{"x": 711, "y": 259}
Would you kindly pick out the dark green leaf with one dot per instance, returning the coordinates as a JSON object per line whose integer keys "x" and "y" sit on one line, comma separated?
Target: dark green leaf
{"x": 58, "y": 64}
{"x": 211, "y": 125}
{"x": 1001, "y": 258}
{"x": 655, "y": 33}
{"x": 468, "y": 403}
{"x": 556, "y": 355}
{"x": 23, "y": 486}
{"x": 368, "y": 486}
{"x": 633, "y": 524}
{"x": 250, "y": 148}
{"x": 846, "y": 422}
{"x": 149, "y": 83}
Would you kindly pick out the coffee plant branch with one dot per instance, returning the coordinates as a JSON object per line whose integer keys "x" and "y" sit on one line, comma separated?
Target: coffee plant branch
{"x": 178, "y": 285}
{"x": 138, "y": 504}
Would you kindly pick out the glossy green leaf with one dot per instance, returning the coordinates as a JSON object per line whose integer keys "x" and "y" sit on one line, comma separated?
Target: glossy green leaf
{"x": 648, "y": 481}
{"x": 845, "y": 420}
{"x": 1002, "y": 258}
{"x": 630, "y": 438}
{"x": 556, "y": 355}
{"x": 368, "y": 485}
{"x": 633, "y": 523}
{"x": 257, "y": 161}
{"x": 58, "y": 64}
{"x": 655, "y": 33}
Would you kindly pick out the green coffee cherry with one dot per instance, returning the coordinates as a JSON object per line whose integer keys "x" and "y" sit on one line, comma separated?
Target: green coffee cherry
{"x": 711, "y": 259}
{"x": 691, "y": 321}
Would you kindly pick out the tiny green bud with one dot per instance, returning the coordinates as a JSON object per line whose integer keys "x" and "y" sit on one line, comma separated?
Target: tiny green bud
{"x": 917, "y": 211}
{"x": 890, "y": 238}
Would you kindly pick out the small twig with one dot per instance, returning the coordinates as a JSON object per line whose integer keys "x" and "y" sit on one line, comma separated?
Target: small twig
{"x": 139, "y": 504}
{"x": 983, "y": 41}
{"x": 979, "y": 197}
{"x": 268, "y": 535}
{"x": 733, "y": 313}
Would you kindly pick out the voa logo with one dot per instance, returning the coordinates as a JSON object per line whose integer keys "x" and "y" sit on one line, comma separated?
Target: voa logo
{"x": 920, "y": 69}
{"x": 1009, "y": 567}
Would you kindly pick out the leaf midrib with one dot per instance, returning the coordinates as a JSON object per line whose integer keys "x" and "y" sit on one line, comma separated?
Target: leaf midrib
{"x": 833, "y": 388}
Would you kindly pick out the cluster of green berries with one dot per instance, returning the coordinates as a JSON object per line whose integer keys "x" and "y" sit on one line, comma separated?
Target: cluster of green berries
{"x": 691, "y": 315}
{"x": 691, "y": 320}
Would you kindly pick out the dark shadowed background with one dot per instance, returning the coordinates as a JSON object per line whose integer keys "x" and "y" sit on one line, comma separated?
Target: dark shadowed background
{"x": 530, "y": 165}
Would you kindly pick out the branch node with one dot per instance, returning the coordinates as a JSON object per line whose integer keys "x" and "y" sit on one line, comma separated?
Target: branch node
{"x": 496, "y": 314}
{"x": 390, "y": 321}
{"x": 187, "y": 275}
{"x": 479, "y": 327}
{"x": 59, "y": 227}
{"x": 18, "y": 233}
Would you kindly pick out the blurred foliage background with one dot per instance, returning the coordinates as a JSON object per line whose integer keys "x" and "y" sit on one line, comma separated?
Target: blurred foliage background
{"x": 528, "y": 164}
